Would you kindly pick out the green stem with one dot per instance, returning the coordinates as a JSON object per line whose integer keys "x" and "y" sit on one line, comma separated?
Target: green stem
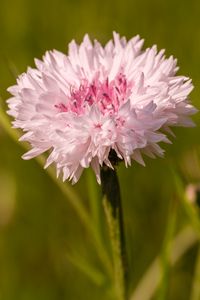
{"x": 113, "y": 212}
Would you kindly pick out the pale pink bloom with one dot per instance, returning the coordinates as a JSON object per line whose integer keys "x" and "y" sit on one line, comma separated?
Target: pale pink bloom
{"x": 96, "y": 99}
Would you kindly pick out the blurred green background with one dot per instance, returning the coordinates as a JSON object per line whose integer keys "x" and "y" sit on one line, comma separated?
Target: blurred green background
{"x": 46, "y": 252}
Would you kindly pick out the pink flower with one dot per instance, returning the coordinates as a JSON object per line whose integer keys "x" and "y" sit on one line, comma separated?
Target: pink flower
{"x": 97, "y": 99}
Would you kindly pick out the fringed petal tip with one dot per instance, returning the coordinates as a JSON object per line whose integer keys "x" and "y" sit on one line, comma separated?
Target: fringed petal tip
{"x": 96, "y": 100}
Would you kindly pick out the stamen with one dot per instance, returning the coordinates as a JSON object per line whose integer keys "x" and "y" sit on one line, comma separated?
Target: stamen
{"x": 108, "y": 96}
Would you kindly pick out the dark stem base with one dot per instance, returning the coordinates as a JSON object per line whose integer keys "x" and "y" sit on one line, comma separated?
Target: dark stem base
{"x": 113, "y": 212}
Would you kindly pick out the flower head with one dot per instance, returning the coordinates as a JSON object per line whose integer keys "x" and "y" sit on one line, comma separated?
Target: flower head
{"x": 97, "y": 100}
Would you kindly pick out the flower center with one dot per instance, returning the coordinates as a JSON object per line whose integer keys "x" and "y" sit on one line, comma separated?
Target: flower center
{"x": 108, "y": 96}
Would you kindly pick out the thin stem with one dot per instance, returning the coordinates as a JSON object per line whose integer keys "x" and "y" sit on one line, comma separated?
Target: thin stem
{"x": 113, "y": 212}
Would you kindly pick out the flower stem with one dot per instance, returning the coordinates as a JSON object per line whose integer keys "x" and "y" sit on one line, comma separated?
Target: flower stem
{"x": 113, "y": 212}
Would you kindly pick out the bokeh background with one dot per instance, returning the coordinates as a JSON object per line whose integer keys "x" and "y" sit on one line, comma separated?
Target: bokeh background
{"x": 46, "y": 252}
